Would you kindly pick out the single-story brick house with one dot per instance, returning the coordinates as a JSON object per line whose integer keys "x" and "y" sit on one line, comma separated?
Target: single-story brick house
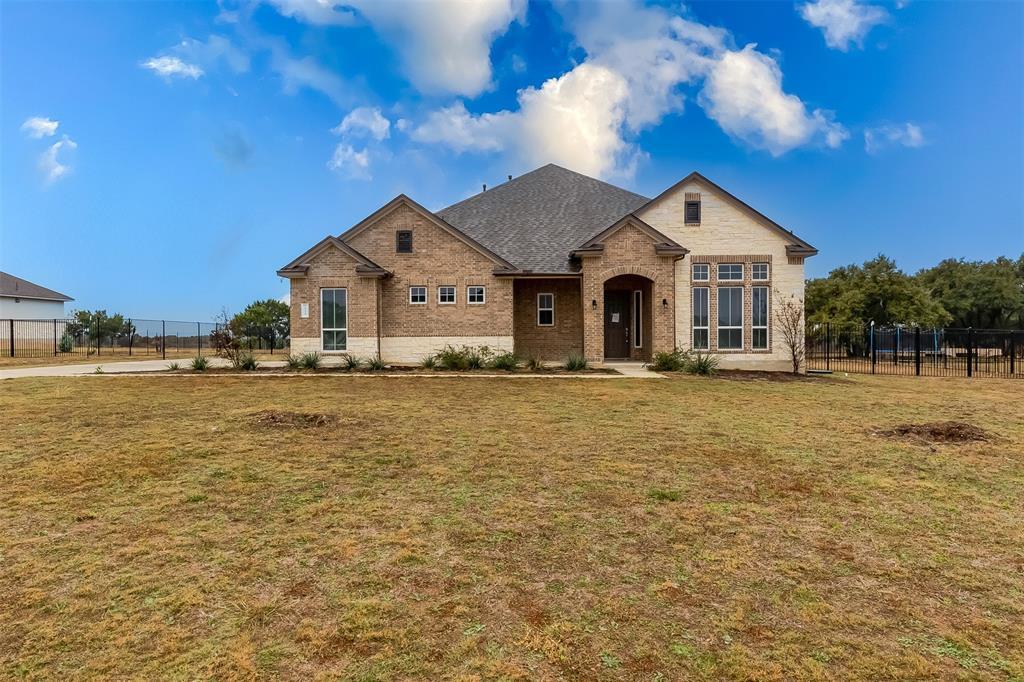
{"x": 550, "y": 263}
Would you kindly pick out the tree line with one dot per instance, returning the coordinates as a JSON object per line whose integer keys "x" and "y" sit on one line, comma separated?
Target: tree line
{"x": 954, "y": 293}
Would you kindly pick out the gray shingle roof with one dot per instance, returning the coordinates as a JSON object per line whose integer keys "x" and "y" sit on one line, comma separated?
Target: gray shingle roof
{"x": 16, "y": 287}
{"x": 535, "y": 220}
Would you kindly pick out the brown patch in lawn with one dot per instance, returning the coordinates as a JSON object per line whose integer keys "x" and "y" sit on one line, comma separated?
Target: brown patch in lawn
{"x": 936, "y": 432}
{"x": 775, "y": 377}
{"x": 292, "y": 420}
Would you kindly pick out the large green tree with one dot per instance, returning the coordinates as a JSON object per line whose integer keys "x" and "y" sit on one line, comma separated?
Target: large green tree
{"x": 979, "y": 294}
{"x": 98, "y": 324}
{"x": 267, "y": 319}
{"x": 876, "y": 291}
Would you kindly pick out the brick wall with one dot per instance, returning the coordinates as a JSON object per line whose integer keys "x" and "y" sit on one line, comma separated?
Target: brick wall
{"x": 628, "y": 252}
{"x": 438, "y": 259}
{"x": 548, "y": 343}
{"x": 332, "y": 268}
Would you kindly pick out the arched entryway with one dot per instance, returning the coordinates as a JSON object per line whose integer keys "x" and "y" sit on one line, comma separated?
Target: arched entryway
{"x": 627, "y": 318}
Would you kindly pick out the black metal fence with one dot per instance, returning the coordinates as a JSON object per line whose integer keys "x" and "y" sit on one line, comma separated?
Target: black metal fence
{"x": 913, "y": 351}
{"x": 136, "y": 337}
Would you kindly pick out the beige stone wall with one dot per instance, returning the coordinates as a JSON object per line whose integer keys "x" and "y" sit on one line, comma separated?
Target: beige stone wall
{"x": 412, "y": 349}
{"x": 332, "y": 268}
{"x": 438, "y": 259}
{"x": 360, "y": 346}
{"x": 548, "y": 343}
{"x": 726, "y": 234}
{"x": 628, "y": 252}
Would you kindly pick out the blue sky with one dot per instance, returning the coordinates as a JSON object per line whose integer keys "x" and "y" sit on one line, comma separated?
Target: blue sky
{"x": 164, "y": 159}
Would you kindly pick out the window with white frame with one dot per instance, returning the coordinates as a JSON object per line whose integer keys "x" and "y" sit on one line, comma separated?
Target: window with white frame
{"x": 545, "y": 310}
{"x": 446, "y": 295}
{"x": 476, "y": 295}
{"x": 701, "y": 315}
{"x": 730, "y": 271}
{"x": 730, "y": 318}
{"x": 701, "y": 272}
{"x": 759, "y": 271}
{"x": 759, "y": 318}
{"x": 334, "y": 318}
{"x": 417, "y": 295}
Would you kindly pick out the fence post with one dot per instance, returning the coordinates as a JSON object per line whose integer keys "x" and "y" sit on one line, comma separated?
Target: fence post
{"x": 970, "y": 350}
{"x": 131, "y": 336}
{"x": 55, "y": 337}
{"x": 163, "y": 338}
{"x": 874, "y": 348}
{"x": 12, "y": 336}
{"x": 273, "y": 337}
{"x": 828, "y": 346}
{"x": 1013, "y": 352}
{"x": 917, "y": 351}
{"x": 199, "y": 336}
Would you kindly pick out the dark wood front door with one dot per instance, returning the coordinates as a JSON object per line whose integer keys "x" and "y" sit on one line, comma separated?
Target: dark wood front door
{"x": 616, "y": 324}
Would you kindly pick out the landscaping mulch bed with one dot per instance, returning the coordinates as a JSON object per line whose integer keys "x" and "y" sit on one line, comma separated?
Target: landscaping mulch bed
{"x": 411, "y": 371}
{"x": 936, "y": 432}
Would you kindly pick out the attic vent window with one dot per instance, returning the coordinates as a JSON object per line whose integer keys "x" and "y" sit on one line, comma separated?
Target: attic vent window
{"x": 403, "y": 241}
{"x": 692, "y": 215}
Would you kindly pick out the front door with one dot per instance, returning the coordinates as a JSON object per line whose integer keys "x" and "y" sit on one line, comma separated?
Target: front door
{"x": 616, "y": 324}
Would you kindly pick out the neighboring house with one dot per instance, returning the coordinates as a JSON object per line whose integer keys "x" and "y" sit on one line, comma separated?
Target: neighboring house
{"x": 551, "y": 263}
{"x": 23, "y": 300}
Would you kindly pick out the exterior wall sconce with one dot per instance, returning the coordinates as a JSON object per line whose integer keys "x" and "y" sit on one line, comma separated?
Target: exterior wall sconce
{"x": 593, "y": 304}
{"x": 664, "y": 302}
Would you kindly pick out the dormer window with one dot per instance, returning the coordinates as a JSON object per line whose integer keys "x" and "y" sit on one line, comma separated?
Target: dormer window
{"x": 692, "y": 212}
{"x": 403, "y": 241}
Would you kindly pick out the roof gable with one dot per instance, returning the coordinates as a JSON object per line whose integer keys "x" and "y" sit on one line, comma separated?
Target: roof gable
{"x": 16, "y": 287}
{"x": 797, "y": 247}
{"x": 364, "y": 266}
{"x": 663, "y": 244}
{"x": 403, "y": 200}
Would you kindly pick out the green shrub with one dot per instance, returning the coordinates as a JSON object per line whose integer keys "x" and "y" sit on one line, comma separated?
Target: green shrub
{"x": 575, "y": 362}
{"x": 246, "y": 361}
{"x": 67, "y": 343}
{"x": 352, "y": 362}
{"x": 173, "y": 366}
{"x": 99, "y": 369}
{"x": 451, "y": 357}
{"x": 670, "y": 361}
{"x": 310, "y": 360}
{"x": 476, "y": 358}
{"x": 375, "y": 363}
{"x": 704, "y": 364}
{"x": 664, "y": 495}
{"x": 429, "y": 362}
{"x": 534, "y": 363}
{"x": 199, "y": 363}
{"x": 506, "y": 360}
{"x": 294, "y": 361}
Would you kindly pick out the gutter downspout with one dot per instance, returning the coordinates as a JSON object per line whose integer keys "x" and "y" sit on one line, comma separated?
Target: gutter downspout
{"x": 380, "y": 292}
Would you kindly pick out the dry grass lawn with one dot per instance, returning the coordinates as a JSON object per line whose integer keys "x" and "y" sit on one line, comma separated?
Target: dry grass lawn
{"x": 471, "y": 528}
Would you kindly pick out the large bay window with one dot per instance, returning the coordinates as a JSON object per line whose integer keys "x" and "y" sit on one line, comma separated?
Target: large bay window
{"x": 334, "y": 318}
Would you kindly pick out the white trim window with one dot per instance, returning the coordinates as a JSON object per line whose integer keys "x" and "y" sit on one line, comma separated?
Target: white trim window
{"x": 446, "y": 295}
{"x": 638, "y": 318}
{"x": 701, "y": 272}
{"x": 545, "y": 310}
{"x": 759, "y": 272}
{"x": 701, "y": 315}
{"x": 730, "y": 271}
{"x": 730, "y": 318}
{"x": 417, "y": 295}
{"x": 476, "y": 295}
{"x": 759, "y": 318}
{"x": 334, "y": 319}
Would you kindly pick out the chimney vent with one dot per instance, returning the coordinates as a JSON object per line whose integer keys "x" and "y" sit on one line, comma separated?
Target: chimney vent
{"x": 485, "y": 187}
{"x": 510, "y": 177}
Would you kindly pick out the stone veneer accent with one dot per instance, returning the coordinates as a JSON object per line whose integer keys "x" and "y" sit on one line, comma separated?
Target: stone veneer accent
{"x": 629, "y": 251}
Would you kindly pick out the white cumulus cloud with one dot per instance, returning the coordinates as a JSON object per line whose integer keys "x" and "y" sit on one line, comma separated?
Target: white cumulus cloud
{"x": 172, "y": 67}
{"x": 904, "y": 135}
{"x": 844, "y": 22}
{"x": 38, "y": 127}
{"x": 743, "y": 94}
{"x": 639, "y": 62}
{"x": 364, "y": 120}
{"x": 444, "y": 45}
{"x": 350, "y": 163}
{"x": 50, "y": 165}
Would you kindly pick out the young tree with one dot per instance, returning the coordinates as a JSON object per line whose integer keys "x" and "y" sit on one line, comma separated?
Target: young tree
{"x": 98, "y": 325}
{"x": 263, "y": 318}
{"x": 789, "y": 324}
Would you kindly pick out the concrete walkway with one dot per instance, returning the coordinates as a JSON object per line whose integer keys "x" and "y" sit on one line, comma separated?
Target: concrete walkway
{"x": 632, "y": 370}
